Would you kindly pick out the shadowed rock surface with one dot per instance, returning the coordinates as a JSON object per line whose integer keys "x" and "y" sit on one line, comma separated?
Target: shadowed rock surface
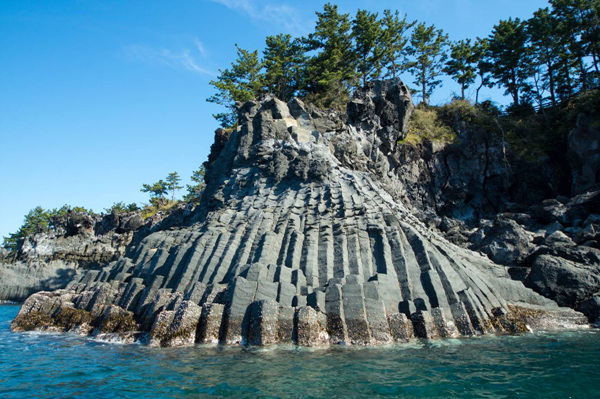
{"x": 302, "y": 237}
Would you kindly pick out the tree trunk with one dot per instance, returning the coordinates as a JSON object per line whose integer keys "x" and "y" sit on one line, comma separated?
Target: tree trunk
{"x": 551, "y": 83}
{"x": 424, "y": 87}
{"x": 477, "y": 91}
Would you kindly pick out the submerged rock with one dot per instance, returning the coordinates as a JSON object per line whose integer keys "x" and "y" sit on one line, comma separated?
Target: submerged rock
{"x": 301, "y": 237}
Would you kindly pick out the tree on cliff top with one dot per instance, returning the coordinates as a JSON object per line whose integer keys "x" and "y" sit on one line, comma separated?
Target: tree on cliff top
{"x": 510, "y": 58}
{"x": 283, "y": 62}
{"x": 195, "y": 190}
{"x": 463, "y": 62}
{"x": 547, "y": 50}
{"x": 427, "y": 47}
{"x": 36, "y": 221}
{"x": 121, "y": 207}
{"x": 368, "y": 45}
{"x": 578, "y": 24}
{"x": 157, "y": 192}
{"x": 173, "y": 181}
{"x": 331, "y": 71}
{"x": 395, "y": 42}
{"x": 240, "y": 83}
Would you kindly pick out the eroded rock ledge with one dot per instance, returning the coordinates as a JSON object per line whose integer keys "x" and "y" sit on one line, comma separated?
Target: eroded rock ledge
{"x": 78, "y": 242}
{"x": 300, "y": 238}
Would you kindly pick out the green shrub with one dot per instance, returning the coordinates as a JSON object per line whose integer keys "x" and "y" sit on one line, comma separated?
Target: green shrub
{"x": 120, "y": 207}
{"x": 426, "y": 125}
{"x": 157, "y": 206}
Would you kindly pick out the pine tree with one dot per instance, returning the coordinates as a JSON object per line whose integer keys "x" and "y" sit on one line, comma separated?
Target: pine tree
{"x": 242, "y": 82}
{"x": 284, "y": 60}
{"x": 394, "y": 42}
{"x": 332, "y": 70}
{"x": 427, "y": 46}
{"x": 121, "y": 207}
{"x": 546, "y": 48}
{"x": 483, "y": 66}
{"x": 157, "y": 192}
{"x": 368, "y": 48}
{"x": 590, "y": 35}
{"x": 462, "y": 66}
{"x": 36, "y": 221}
{"x": 578, "y": 24}
{"x": 510, "y": 58}
{"x": 173, "y": 181}
{"x": 195, "y": 190}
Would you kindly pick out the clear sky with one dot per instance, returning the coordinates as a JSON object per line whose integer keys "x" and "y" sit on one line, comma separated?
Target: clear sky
{"x": 98, "y": 97}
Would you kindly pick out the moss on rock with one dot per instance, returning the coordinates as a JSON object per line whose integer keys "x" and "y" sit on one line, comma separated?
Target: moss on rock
{"x": 31, "y": 321}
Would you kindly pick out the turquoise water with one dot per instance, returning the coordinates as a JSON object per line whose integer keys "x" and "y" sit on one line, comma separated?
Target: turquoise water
{"x": 542, "y": 365}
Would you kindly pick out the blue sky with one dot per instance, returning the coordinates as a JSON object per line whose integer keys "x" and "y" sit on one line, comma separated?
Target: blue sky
{"x": 99, "y": 97}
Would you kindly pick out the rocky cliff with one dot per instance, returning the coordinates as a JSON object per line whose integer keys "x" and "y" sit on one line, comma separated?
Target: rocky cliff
{"x": 306, "y": 233}
{"x": 76, "y": 243}
{"x": 539, "y": 217}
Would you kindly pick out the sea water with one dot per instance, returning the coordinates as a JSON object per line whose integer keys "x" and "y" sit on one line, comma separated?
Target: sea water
{"x": 540, "y": 365}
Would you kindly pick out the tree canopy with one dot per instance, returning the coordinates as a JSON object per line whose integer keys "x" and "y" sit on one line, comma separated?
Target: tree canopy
{"x": 240, "y": 83}
{"x": 547, "y": 58}
{"x": 463, "y": 63}
{"x": 157, "y": 191}
{"x": 195, "y": 190}
{"x": 427, "y": 46}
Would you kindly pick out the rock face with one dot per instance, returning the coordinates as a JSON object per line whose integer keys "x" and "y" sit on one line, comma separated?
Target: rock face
{"x": 301, "y": 237}
{"x": 481, "y": 196}
{"x": 584, "y": 155}
{"x": 77, "y": 242}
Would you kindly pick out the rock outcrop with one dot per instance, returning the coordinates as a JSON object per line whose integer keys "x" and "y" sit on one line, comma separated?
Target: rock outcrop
{"x": 584, "y": 155}
{"x": 483, "y": 197}
{"x": 302, "y": 236}
{"x": 77, "y": 242}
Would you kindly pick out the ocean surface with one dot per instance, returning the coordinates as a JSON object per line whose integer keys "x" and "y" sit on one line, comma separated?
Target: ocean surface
{"x": 541, "y": 365}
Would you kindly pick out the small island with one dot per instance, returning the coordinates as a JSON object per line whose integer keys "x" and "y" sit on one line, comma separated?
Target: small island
{"x": 331, "y": 210}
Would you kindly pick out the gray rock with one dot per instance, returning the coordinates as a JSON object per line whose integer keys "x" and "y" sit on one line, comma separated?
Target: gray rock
{"x": 562, "y": 280}
{"x": 558, "y": 238}
{"x": 550, "y": 211}
{"x": 210, "y": 323}
{"x": 310, "y": 332}
{"x": 424, "y": 325}
{"x": 506, "y": 243}
{"x": 285, "y": 328}
{"x": 401, "y": 327}
{"x": 591, "y": 308}
{"x": 444, "y": 326}
{"x": 182, "y": 329}
{"x": 76, "y": 243}
{"x": 264, "y": 319}
{"x": 302, "y": 235}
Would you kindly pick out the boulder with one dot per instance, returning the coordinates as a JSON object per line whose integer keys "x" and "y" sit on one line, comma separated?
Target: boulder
{"x": 506, "y": 242}
{"x": 562, "y": 280}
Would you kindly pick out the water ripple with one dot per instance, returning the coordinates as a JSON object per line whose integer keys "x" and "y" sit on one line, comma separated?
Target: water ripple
{"x": 43, "y": 365}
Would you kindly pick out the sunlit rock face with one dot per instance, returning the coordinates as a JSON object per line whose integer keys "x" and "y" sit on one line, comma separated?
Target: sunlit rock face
{"x": 300, "y": 238}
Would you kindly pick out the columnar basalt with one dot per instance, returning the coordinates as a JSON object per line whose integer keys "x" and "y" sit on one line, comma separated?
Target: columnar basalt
{"x": 301, "y": 238}
{"x": 77, "y": 242}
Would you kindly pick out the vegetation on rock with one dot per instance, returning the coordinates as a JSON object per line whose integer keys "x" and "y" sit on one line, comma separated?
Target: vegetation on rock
{"x": 547, "y": 59}
{"x": 38, "y": 220}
